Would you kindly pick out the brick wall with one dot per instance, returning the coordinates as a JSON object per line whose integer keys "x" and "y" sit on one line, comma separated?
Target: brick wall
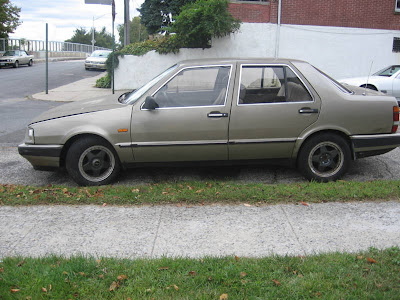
{"x": 258, "y": 12}
{"x": 377, "y": 14}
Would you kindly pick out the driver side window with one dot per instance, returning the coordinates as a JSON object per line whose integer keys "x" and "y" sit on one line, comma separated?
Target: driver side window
{"x": 199, "y": 86}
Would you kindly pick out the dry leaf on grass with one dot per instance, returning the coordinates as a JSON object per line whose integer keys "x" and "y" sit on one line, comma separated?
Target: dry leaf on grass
{"x": 223, "y": 297}
{"x": 243, "y": 274}
{"x": 163, "y": 268}
{"x": 14, "y": 290}
{"x": 192, "y": 273}
{"x": 304, "y": 203}
{"x": 44, "y": 290}
{"x": 114, "y": 286}
{"x": 247, "y": 205}
{"x": 237, "y": 258}
{"x": 276, "y": 282}
{"x": 122, "y": 277}
{"x": 371, "y": 260}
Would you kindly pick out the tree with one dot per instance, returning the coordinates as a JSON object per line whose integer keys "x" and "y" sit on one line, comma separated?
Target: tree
{"x": 138, "y": 32}
{"x": 9, "y": 18}
{"x": 81, "y": 36}
{"x": 200, "y": 21}
{"x": 157, "y": 14}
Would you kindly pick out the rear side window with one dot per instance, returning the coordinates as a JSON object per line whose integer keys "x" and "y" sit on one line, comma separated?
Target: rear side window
{"x": 271, "y": 84}
{"x": 198, "y": 86}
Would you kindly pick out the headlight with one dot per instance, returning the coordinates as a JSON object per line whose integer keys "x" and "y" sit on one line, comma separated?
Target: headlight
{"x": 9, "y": 60}
{"x": 30, "y": 136}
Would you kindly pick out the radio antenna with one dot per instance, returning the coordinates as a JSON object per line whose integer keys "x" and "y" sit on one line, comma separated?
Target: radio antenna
{"x": 369, "y": 74}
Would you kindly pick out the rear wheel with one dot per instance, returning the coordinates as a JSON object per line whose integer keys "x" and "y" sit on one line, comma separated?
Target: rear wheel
{"x": 324, "y": 157}
{"x": 92, "y": 161}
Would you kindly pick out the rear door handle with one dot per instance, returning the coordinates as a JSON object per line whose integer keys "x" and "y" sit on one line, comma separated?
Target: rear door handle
{"x": 307, "y": 110}
{"x": 217, "y": 114}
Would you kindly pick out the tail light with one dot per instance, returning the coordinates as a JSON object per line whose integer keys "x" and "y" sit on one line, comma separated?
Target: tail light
{"x": 396, "y": 112}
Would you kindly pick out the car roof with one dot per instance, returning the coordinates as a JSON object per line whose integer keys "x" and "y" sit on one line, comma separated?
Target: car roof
{"x": 261, "y": 60}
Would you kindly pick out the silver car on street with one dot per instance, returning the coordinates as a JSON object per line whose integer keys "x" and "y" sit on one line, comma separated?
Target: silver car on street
{"x": 235, "y": 111}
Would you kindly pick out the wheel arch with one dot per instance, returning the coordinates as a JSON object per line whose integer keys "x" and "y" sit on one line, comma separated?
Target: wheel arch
{"x": 302, "y": 142}
{"x": 369, "y": 86}
{"x": 74, "y": 138}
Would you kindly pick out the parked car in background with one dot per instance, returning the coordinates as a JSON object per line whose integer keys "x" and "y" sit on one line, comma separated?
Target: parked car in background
{"x": 97, "y": 60}
{"x": 386, "y": 81}
{"x": 235, "y": 111}
{"x": 16, "y": 58}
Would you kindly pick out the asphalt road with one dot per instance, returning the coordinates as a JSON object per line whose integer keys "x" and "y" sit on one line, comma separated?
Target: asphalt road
{"x": 24, "y": 81}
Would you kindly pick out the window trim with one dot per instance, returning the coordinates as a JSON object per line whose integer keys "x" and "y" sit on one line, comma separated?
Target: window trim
{"x": 194, "y": 67}
{"x": 273, "y": 103}
{"x": 395, "y": 6}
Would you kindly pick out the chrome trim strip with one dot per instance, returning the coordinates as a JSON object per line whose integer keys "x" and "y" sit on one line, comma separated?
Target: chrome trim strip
{"x": 263, "y": 141}
{"x": 273, "y": 65}
{"x": 192, "y": 67}
{"x": 41, "y": 146}
{"x": 375, "y": 136}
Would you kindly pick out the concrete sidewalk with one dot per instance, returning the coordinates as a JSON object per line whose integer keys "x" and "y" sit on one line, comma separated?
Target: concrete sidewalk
{"x": 75, "y": 91}
{"x": 198, "y": 231}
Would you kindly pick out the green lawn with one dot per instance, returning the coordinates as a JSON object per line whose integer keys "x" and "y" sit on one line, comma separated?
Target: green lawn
{"x": 374, "y": 274}
{"x": 200, "y": 192}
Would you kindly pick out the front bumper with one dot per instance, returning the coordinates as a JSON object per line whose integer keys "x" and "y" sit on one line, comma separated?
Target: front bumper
{"x": 101, "y": 66}
{"x": 41, "y": 157}
{"x": 368, "y": 145}
{"x": 6, "y": 63}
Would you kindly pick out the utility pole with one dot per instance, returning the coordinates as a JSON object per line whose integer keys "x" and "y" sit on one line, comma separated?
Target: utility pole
{"x": 126, "y": 23}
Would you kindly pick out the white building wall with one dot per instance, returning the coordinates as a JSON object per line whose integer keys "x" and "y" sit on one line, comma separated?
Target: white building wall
{"x": 340, "y": 52}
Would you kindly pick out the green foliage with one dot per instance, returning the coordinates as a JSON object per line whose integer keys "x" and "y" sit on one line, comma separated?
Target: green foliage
{"x": 9, "y": 18}
{"x": 138, "y": 32}
{"x": 156, "y": 14}
{"x": 200, "y": 21}
{"x": 104, "y": 82}
{"x": 102, "y": 38}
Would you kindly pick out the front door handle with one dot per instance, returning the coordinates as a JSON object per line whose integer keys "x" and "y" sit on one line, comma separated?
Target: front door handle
{"x": 217, "y": 114}
{"x": 307, "y": 110}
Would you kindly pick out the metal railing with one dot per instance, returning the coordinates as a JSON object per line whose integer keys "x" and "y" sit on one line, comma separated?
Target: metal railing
{"x": 37, "y": 45}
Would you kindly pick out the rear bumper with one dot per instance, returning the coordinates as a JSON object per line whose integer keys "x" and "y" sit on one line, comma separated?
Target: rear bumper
{"x": 368, "y": 145}
{"x": 41, "y": 156}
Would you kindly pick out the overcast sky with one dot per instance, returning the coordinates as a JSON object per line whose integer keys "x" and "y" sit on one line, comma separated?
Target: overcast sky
{"x": 64, "y": 16}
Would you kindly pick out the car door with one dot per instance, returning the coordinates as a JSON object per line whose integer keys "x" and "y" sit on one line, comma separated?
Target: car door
{"x": 191, "y": 121}
{"x": 271, "y": 107}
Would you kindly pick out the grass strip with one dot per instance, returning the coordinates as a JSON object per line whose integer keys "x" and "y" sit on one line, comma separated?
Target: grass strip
{"x": 200, "y": 192}
{"x": 373, "y": 274}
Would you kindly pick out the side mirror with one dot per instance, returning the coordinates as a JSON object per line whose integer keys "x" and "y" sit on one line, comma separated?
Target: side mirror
{"x": 150, "y": 103}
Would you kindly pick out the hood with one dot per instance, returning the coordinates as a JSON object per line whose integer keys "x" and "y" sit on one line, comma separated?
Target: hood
{"x": 7, "y": 57}
{"x": 363, "y": 91}
{"x": 80, "y": 107}
{"x": 359, "y": 80}
{"x": 96, "y": 59}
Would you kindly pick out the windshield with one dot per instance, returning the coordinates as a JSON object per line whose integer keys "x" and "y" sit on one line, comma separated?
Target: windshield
{"x": 100, "y": 54}
{"x": 388, "y": 71}
{"x": 135, "y": 95}
{"x": 10, "y": 53}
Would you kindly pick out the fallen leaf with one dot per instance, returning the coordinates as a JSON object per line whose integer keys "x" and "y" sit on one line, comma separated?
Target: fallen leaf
{"x": 65, "y": 273}
{"x": 246, "y": 204}
{"x": 114, "y": 286}
{"x": 14, "y": 290}
{"x": 82, "y": 273}
{"x": 148, "y": 290}
{"x": 1, "y": 270}
{"x": 198, "y": 191}
{"x": 101, "y": 276}
{"x": 371, "y": 260}
{"x": 276, "y": 282}
{"x": 192, "y": 273}
{"x": 50, "y": 287}
{"x": 163, "y": 268}
{"x": 243, "y": 274}
{"x": 360, "y": 257}
{"x": 65, "y": 190}
{"x": 236, "y": 258}
{"x": 20, "y": 263}
{"x": 98, "y": 261}
{"x": 304, "y": 203}
{"x": 135, "y": 191}
{"x": 176, "y": 287}
{"x": 44, "y": 290}
{"x": 104, "y": 204}
{"x": 223, "y": 297}
{"x": 189, "y": 187}
{"x": 122, "y": 277}
{"x": 210, "y": 278}
{"x": 28, "y": 298}
{"x": 243, "y": 281}
{"x": 164, "y": 193}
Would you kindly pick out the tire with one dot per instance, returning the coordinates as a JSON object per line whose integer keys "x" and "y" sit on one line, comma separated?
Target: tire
{"x": 16, "y": 64}
{"x": 369, "y": 86}
{"x": 324, "y": 157}
{"x": 92, "y": 161}
{"x": 30, "y": 63}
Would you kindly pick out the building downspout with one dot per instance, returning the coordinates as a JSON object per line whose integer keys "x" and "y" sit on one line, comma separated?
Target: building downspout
{"x": 278, "y": 29}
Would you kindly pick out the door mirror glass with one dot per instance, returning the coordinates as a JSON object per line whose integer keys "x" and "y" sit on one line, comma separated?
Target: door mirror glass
{"x": 150, "y": 103}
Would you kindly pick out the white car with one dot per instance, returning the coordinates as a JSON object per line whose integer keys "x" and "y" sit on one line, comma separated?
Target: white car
{"x": 97, "y": 60}
{"x": 386, "y": 81}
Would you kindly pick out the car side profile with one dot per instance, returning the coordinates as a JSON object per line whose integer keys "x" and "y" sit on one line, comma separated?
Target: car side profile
{"x": 15, "y": 58}
{"x": 234, "y": 111}
{"x": 386, "y": 81}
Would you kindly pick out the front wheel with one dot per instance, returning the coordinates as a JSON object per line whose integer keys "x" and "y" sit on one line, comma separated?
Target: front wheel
{"x": 92, "y": 161}
{"x": 324, "y": 157}
{"x": 30, "y": 63}
{"x": 16, "y": 64}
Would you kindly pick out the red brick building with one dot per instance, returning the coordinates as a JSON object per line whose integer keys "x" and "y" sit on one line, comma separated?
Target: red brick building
{"x": 378, "y": 14}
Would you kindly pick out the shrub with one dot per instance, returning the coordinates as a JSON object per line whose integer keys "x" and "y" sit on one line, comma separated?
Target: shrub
{"x": 104, "y": 82}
